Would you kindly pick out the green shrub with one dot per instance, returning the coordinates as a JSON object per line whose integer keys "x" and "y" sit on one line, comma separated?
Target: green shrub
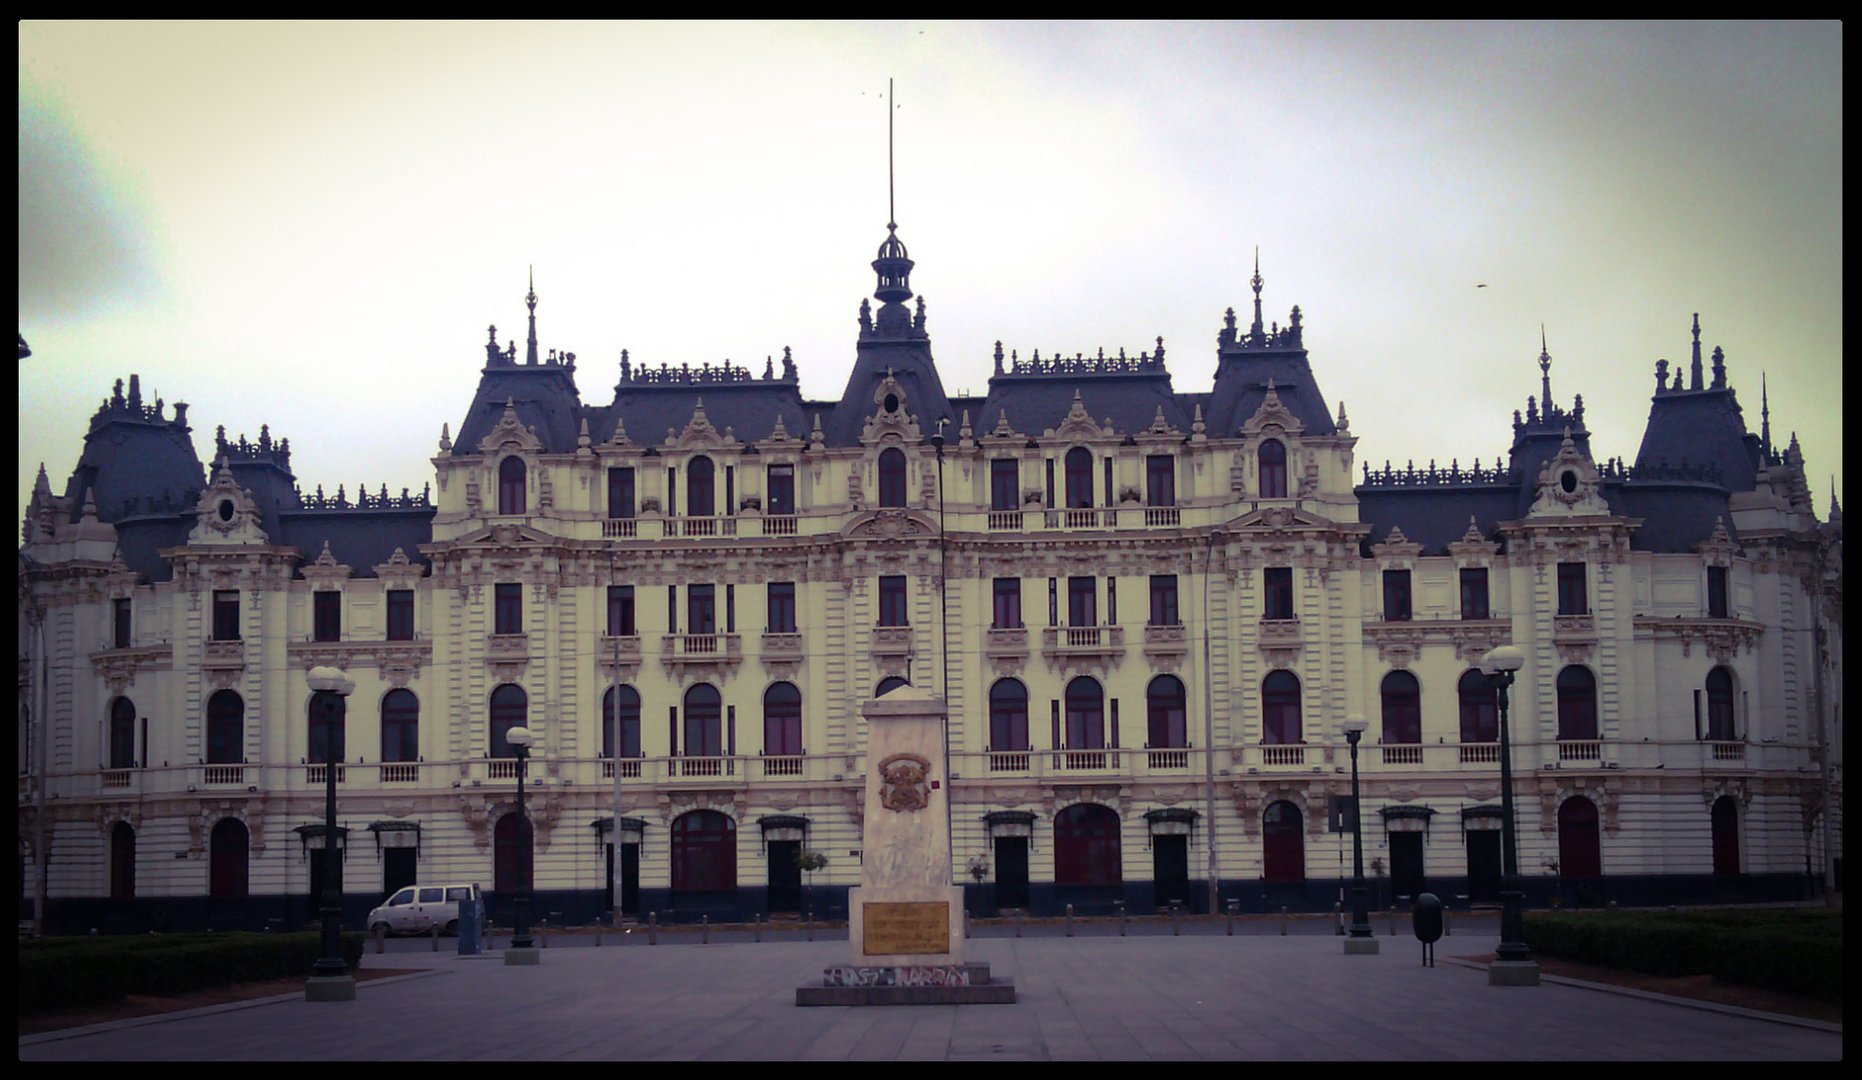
{"x": 95, "y": 971}
{"x": 1776, "y": 949}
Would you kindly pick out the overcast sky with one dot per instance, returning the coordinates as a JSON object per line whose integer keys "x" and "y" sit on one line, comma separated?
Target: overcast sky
{"x": 310, "y": 226}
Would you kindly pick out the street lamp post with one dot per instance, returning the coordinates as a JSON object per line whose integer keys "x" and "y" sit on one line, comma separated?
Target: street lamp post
{"x": 521, "y": 950}
{"x": 329, "y": 976}
{"x": 1361, "y": 942}
{"x": 1512, "y": 964}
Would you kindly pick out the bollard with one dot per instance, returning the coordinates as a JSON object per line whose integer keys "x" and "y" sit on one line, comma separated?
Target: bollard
{"x": 1391, "y": 915}
{"x": 379, "y": 934}
{"x": 1018, "y": 922}
{"x": 1069, "y": 920}
{"x": 434, "y": 933}
{"x": 1232, "y": 905}
{"x": 543, "y": 933}
{"x": 1176, "y": 919}
{"x": 1121, "y": 918}
{"x": 1283, "y": 920}
{"x": 652, "y": 928}
{"x": 1338, "y": 919}
{"x": 1446, "y": 932}
{"x": 704, "y": 922}
{"x": 811, "y": 924}
{"x": 756, "y": 928}
{"x": 597, "y": 935}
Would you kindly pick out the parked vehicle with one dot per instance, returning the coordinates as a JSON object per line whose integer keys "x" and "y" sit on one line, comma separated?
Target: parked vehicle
{"x": 417, "y": 909}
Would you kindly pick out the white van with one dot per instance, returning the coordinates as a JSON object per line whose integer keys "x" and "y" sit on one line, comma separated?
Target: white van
{"x": 417, "y": 909}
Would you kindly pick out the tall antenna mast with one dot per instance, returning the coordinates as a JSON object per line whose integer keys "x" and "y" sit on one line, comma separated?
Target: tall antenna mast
{"x": 892, "y": 217}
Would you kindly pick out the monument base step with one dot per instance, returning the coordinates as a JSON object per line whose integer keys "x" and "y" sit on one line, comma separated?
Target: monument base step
{"x": 951, "y": 984}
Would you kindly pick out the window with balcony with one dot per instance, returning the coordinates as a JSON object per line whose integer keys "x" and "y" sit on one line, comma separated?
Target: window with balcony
{"x": 1086, "y": 714}
{"x": 1718, "y": 606}
{"x": 621, "y": 492}
{"x": 1082, "y": 600}
{"x": 782, "y": 720}
{"x": 1572, "y": 599}
{"x": 700, "y": 482}
{"x": 1079, "y": 478}
{"x": 1280, "y": 709}
{"x": 508, "y": 609}
{"x": 621, "y": 611}
{"x": 1167, "y": 714}
{"x": 326, "y": 611}
{"x": 1008, "y": 604}
{"x": 1160, "y": 480}
{"x": 120, "y": 620}
{"x": 226, "y": 728}
{"x": 1004, "y": 481}
{"x": 510, "y": 708}
{"x": 781, "y": 490}
{"x": 1577, "y": 704}
{"x": 400, "y": 726}
{"x": 400, "y": 614}
{"x": 226, "y": 615}
{"x": 511, "y": 480}
{"x": 1008, "y": 715}
{"x": 892, "y": 601}
{"x": 621, "y": 708}
{"x": 1396, "y": 596}
{"x": 1720, "y": 705}
{"x": 704, "y": 721}
{"x": 1164, "y": 600}
{"x": 701, "y": 609}
{"x": 1277, "y": 592}
{"x": 1480, "y": 708}
{"x": 892, "y": 477}
{"x": 122, "y": 734}
{"x": 1402, "y": 701}
{"x": 782, "y": 607}
{"x": 1273, "y": 463}
{"x": 1474, "y": 594}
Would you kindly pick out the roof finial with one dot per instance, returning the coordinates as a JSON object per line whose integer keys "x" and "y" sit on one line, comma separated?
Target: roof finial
{"x": 1545, "y": 371}
{"x": 1764, "y": 416}
{"x": 530, "y": 300}
{"x": 1694, "y": 370}
{"x": 1255, "y": 332}
{"x": 892, "y": 216}
{"x": 893, "y": 266}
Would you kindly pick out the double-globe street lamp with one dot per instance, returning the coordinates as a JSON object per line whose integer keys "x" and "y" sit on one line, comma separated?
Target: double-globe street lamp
{"x": 1361, "y": 942}
{"x": 1512, "y": 964}
{"x": 521, "y": 950}
{"x": 329, "y": 976}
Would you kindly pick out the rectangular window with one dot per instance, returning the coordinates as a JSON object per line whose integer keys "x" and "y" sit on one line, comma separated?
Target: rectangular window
{"x": 701, "y": 609}
{"x": 1110, "y": 500}
{"x": 1277, "y": 592}
{"x": 1004, "y": 479}
{"x": 120, "y": 612}
{"x": 1164, "y": 600}
{"x": 1082, "y": 601}
{"x": 400, "y": 614}
{"x": 1050, "y": 483}
{"x": 730, "y": 609}
{"x": 672, "y": 609}
{"x": 326, "y": 616}
{"x": 226, "y": 615}
{"x": 782, "y": 607}
{"x": 1717, "y": 605}
{"x": 1112, "y": 601}
{"x": 1396, "y": 596}
{"x": 509, "y": 613}
{"x": 672, "y": 491}
{"x": 892, "y": 601}
{"x": 1474, "y": 594}
{"x": 1053, "y": 602}
{"x": 782, "y": 489}
{"x": 1572, "y": 599}
{"x": 1160, "y": 480}
{"x": 1008, "y": 603}
{"x": 730, "y": 490}
{"x": 621, "y": 493}
{"x": 621, "y": 611}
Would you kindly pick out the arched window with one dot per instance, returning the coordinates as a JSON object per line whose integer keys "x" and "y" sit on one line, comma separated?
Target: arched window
{"x": 122, "y": 862}
{"x": 782, "y": 719}
{"x": 1283, "y": 843}
{"x": 1579, "y": 855}
{"x": 1008, "y": 715}
{"x": 1086, "y": 714}
{"x": 511, "y": 486}
{"x": 1280, "y": 709}
{"x": 1720, "y": 705}
{"x": 1168, "y": 727}
{"x": 1273, "y": 459}
{"x": 704, "y": 852}
{"x": 621, "y": 705}
{"x": 400, "y": 726}
{"x": 1402, "y": 708}
{"x": 226, "y": 729}
{"x": 122, "y": 734}
{"x": 227, "y": 849}
{"x": 704, "y": 729}
{"x": 1079, "y": 478}
{"x": 1480, "y": 708}
{"x": 510, "y": 708}
{"x": 326, "y": 728}
{"x": 892, "y": 477}
{"x": 700, "y": 500}
{"x": 1725, "y": 837}
{"x": 511, "y": 855}
{"x": 888, "y": 684}
{"x": 1577, "y": 704}
{"x": 1086, "y": 846}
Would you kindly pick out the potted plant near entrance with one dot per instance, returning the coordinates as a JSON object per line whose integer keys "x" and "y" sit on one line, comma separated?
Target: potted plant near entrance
{"x": 808, "y": 862}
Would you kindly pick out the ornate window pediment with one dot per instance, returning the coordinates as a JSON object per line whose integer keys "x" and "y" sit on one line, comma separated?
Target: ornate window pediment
{"x": 326, "y": 572}
{"x": 399, "y": 572}
{"x": 1718, "y": 549}
{"x": 226, "y": 513}
{"x": 1397, "y": 552}
{"x": 1079, "y": 426}
{"x": 1272, "y": 414}
{"x": 1473, "y": 549}
{"x": 510, "y": 435}
{"x": 889, "y": 416}
{"x": 1567, "y": 486}
{"x": 698, "y": 433}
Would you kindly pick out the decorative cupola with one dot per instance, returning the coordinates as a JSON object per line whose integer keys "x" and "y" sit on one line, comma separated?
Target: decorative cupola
{"x": 894, "y": 268}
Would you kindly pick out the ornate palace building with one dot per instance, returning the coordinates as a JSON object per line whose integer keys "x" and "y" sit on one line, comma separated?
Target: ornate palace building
{"x": 1150, "y": 610}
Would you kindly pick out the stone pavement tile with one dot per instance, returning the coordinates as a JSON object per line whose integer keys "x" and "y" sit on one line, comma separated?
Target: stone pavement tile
{"x": 929, "y": 1039}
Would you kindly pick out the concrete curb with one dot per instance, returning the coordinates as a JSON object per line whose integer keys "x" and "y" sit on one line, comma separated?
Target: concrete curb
{"x": 1669, "y": 999}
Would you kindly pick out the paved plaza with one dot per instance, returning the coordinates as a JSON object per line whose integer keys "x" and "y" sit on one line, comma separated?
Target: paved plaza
{"x": 1202, "y": 996}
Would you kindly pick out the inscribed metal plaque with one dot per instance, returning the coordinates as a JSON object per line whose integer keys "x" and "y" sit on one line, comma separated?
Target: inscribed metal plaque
{"x": 898, "y": 928}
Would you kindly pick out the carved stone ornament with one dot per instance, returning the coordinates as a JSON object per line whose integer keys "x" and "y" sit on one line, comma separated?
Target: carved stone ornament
{"x": 904, "y": 783}
{"x": 1272, "y": 414}
{"x": 226, "y": 513}
{"x": 894, "y": 421}
{"x": 698, "y": 433}
{"x": 1078, "y": 423}
{"x": 1567, "y": 486}
{"x": 510, "y": 435}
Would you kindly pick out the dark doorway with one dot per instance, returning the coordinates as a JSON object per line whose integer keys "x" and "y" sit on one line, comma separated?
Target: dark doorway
{"x": 1086, "y": 846}
{"x": 1170, "y": 862}
{"x": 397, "y": 869}
{"x": 630, "y": 879}
{"x": 785, "y": 878}
{"x": 1283, "y": 843}
{"x": 1484, "y": 865}
{"x": 1011, "y": 872}
{"x": 1406, "y": 877}
{"x": 1725, "y": 817}
{"x": 318, "y": 860}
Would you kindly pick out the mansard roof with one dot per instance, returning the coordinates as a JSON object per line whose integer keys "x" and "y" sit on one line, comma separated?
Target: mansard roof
{"x": 1037, "y": 394}
{"x": 648, "y": 402}
{"x": 360, "y": 539}
{"x": 136, "y": 459}
{"x": 544, "y": 397}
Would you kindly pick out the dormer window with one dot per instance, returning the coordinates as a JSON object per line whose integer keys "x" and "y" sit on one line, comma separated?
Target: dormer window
{"x": 1273, "y": 461}
{"x": 511, "y": 486}
{"x": 892, "y": 477}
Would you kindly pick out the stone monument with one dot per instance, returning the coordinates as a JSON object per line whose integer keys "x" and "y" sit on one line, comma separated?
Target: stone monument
{"x": 905, "y": 920}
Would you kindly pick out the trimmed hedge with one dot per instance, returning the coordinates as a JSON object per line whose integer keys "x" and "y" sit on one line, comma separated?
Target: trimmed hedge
{"x": 1790, "y": 951}
{"x": 76, "y": 972}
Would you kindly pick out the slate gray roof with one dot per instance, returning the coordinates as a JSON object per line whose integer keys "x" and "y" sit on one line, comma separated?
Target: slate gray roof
{"x": 544, "y": 397}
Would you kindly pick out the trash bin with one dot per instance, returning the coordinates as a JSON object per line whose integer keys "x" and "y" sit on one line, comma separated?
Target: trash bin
{"x": 471, "y": 923}
{"x": 1426, "y": 913}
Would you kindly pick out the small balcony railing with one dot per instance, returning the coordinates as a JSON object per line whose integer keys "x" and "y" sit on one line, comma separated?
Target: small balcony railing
{"x": 502, "y": 769}
{"x": 630, "y": 769}
{"x": 780, "y": 525}
{"x": 704, "y": 766}
{"x": 1283, "y": 755}
{"x": 224, "y": 774}
{"x": 1086, "y": 760}
{"x": 1086, "y": 637}
{"x": 398, "y": 772}
{"x": 1009, "y": 761}
{"x": 115, "y": 779}
{"x": 1580, "y": 750}
{"x": 1159, "y": 517}
{"x": 783, "y": 765}
{"x": 314, "y": 774}
{"x": 620, "y": 529}
{"x": 1167, "y": 759}
{"x": 1728, "y": 751}
{"x": 1005, "y": 520}
{"x": 1402, "y": 755}
{"x": 701, "y": 526}
{"x": 1480, "y": 753}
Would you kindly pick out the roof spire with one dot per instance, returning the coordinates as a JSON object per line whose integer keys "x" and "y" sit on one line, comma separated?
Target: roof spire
{"x": 893, "y": 266}
{"x": 530, "y": 300}
{"x": 1694, "y": 370}
{"x": 1764, "y": 416}
{"x": 1545, "y": 370}
{"x": 1255, "y": 332}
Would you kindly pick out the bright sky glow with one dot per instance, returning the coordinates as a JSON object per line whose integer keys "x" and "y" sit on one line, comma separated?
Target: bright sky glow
{"x": 310, "y": 226}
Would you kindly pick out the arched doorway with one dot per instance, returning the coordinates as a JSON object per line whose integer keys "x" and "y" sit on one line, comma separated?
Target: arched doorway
{"x": 704, "y": 859}
{"x": 1088, "y": 868}
{"x": 1283, "y": 844}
